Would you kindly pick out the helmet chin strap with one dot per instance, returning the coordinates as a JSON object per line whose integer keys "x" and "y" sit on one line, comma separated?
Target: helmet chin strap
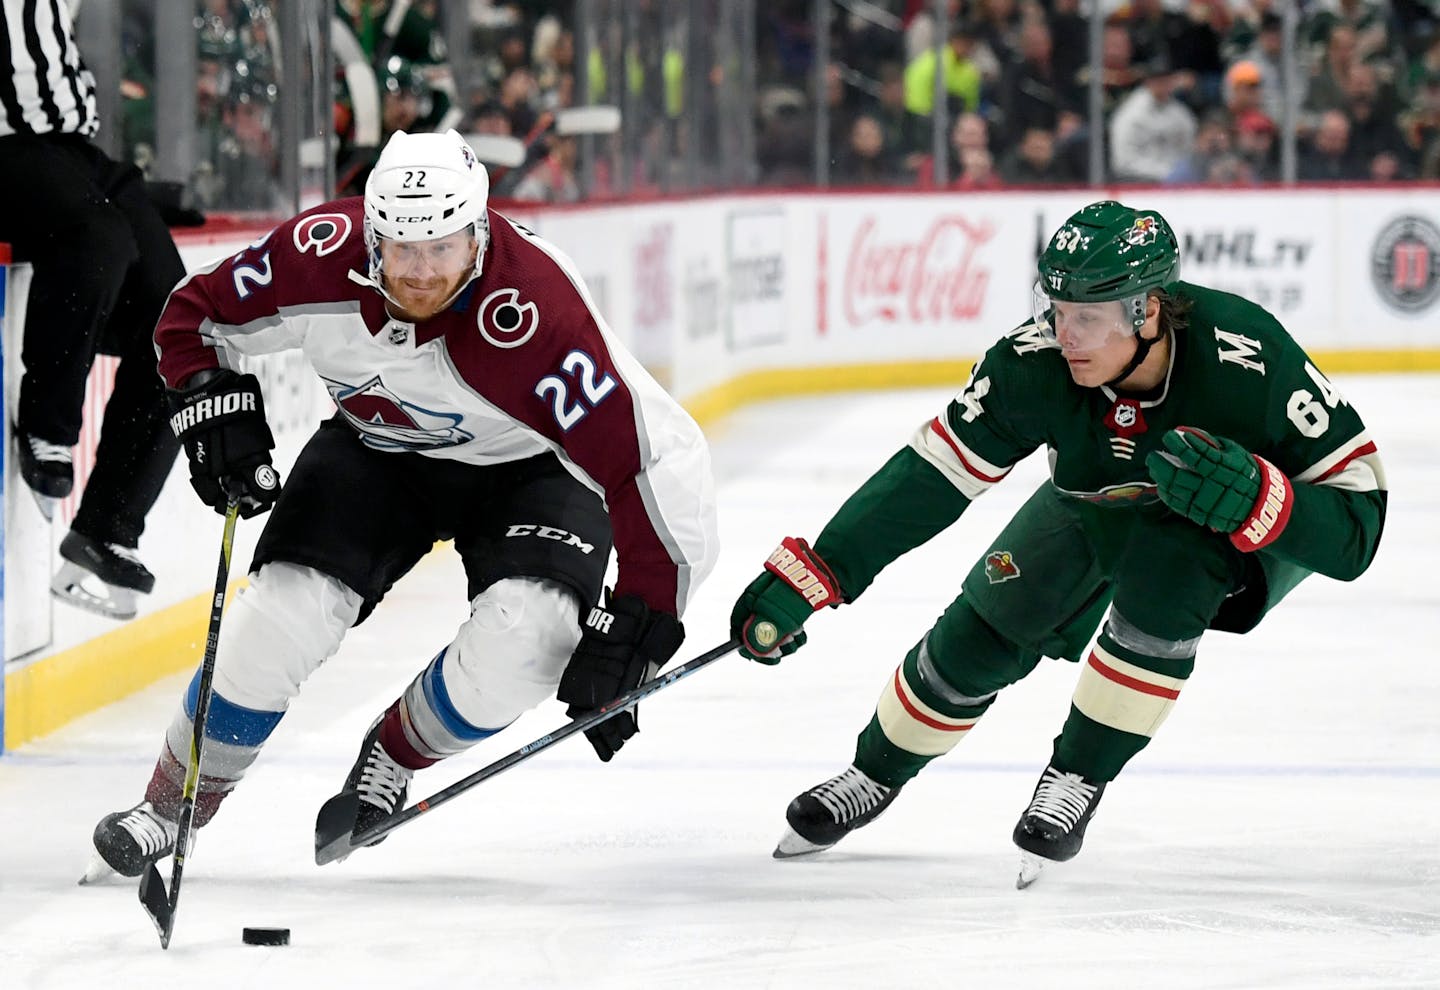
{"x": 1142, "y": 346}
{"x": 1142, "y": 351}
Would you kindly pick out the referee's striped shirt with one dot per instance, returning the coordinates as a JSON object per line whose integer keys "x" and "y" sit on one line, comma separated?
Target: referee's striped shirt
{"x": 44, "y": 85}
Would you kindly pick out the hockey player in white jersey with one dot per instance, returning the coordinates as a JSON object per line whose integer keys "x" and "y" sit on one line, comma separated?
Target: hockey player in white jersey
{"x": 481, "y": 399}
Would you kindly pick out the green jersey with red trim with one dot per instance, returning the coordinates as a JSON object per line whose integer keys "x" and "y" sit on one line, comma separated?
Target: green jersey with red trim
{"x": 1234, "y": 372}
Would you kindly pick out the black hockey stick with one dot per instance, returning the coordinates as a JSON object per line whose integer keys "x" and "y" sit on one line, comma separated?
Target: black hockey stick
{"x": 160, "y": 905}
{"x": 333, "y": 838}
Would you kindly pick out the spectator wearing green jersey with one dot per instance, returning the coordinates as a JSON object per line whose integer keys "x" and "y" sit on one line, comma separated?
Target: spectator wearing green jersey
{"x": 1201, "y": 466}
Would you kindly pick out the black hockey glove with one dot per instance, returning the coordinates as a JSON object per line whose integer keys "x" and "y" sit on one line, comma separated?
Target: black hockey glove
{"x": 222, "y": 424}
{"x": 624, "y": 644}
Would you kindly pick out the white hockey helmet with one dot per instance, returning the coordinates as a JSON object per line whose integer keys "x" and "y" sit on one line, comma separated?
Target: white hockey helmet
{"x": 425, "y": 186}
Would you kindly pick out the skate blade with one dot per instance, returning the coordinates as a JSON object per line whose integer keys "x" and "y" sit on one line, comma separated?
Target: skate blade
{"x": 79, "y": 587}
{"x": 47, "y": 505}
{"x": 1030, "y": 868}
{"x": 793, "y": 844}
{"x": 96, "y": 871}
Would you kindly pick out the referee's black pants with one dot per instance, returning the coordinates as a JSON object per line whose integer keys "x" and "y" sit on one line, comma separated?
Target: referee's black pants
{"x": 104, "y": 264}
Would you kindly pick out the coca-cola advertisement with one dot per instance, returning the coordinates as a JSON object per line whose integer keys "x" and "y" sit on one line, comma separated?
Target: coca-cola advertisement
{"x": 889, "y": 271}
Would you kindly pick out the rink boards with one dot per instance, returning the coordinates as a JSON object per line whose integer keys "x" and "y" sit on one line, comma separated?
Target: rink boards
{"x": 731, "y": 300}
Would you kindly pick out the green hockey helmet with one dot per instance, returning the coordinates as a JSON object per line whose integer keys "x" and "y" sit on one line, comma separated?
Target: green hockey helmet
{"x": 399, "y": 75}
{"x": 1109, "y": 251}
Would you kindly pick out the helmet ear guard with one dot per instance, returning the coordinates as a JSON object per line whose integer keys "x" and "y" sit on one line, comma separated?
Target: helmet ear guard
{"x": 1135, "y": 308}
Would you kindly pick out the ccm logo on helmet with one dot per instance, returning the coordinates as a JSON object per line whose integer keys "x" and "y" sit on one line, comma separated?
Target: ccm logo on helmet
{"x": 413, "y": 219}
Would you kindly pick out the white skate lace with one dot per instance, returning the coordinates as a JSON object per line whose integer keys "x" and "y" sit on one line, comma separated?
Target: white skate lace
{"x": 151, "y": 833}
{"x": 382, "y": 780}
{"x": 44, "y": 450}
{"x": 1061, "y": 798}
{"x": 849, "y": 795}
{"x": 124, "y": 553}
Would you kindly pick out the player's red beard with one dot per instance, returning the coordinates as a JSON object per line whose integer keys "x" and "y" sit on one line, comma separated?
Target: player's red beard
{"x": 422, "y": 298}
{"x": 422, "y": 291}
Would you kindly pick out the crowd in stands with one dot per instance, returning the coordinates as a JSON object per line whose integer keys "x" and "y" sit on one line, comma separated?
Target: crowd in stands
{"x": 1193, "y": 92}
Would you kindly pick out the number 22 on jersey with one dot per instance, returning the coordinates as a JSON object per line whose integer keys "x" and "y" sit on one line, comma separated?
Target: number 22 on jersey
{"x": 582, "y": 375}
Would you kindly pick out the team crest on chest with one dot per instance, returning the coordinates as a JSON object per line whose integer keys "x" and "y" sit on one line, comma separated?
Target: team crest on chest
{"x": 505, "y": 321}
{"x": 1125, "y": 420}
{"x": 1000, "y": 567}
{"x": 387, "y": 422}
{"x": 321, "y": 233}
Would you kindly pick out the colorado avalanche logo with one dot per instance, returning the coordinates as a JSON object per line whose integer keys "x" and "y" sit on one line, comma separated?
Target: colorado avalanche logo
{"x": 323, "y": 232}
{"x": 387, "y": 422}
{"x": 505, "y": 321}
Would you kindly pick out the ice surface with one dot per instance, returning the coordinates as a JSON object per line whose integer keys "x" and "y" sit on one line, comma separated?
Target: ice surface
{"x": 1280, "y": 832}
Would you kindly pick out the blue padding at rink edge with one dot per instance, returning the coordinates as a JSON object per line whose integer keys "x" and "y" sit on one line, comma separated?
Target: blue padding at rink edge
{"x": 231, "y": 723}
{"x": 444, "y": 708}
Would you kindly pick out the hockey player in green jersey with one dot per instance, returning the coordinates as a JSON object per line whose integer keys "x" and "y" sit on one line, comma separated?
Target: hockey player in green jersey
{"x": 1200, "y": 467}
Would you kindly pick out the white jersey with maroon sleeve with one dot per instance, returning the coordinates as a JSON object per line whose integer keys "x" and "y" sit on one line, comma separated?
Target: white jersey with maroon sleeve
{"x": 519, "y": 365}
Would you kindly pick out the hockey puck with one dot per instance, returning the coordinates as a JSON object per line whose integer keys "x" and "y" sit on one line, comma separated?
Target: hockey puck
{"x": 265, "y": 936}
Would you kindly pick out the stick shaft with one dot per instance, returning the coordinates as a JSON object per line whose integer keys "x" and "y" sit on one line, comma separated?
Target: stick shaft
{"x": 603, "y": 714}
{"x": 191, "y": 786}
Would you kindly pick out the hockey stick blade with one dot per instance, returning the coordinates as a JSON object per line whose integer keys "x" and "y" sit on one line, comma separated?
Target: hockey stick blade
{"x": 333, "y": 827}
{"x": 156, "y": 902}
{"x": 331, "y": 833}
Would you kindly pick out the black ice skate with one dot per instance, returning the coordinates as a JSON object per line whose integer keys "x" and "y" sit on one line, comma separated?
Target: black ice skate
{"x": 374, "y": 790}
{"x": 126, "y": 842}
{"x": 1053, "y": 826}
{"x": 828, "y": 812}
{"x": 100, "y": 577}
{"x": 46, "y": 470}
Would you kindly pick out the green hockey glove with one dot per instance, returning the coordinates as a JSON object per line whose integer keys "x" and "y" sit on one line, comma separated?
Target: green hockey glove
{"x": 768, "y": 616}
{"x": 1214, "y": 482}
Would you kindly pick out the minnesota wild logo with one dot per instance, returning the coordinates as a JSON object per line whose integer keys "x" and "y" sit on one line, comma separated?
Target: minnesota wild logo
{"x": 1142, "y": 232}
{"x": 1000, "y": 566}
